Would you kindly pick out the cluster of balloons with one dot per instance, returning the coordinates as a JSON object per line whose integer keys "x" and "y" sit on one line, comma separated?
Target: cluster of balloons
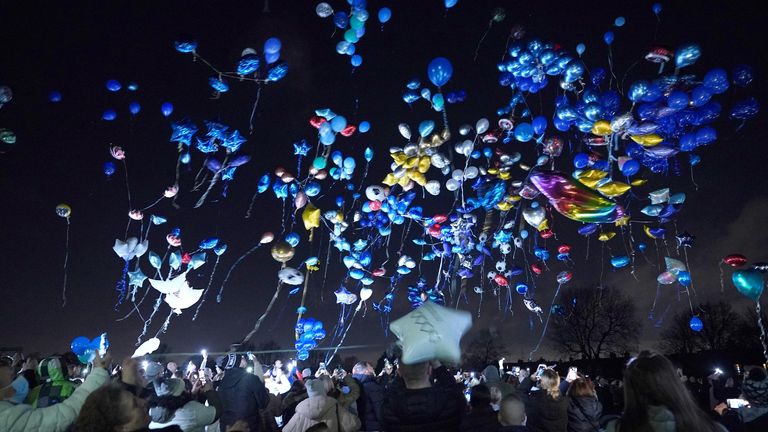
{"x": 308, "y": 332}
{"x": 352, "y": 23}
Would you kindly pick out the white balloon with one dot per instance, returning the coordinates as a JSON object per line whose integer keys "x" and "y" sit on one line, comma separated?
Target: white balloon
{"x": 405, "y": 130}
{"x": 411, "y": 150}
{"x": 471, "y": 172}
{"x": 147, "y": 347}
{"x": 439, "y": 160}
{"x": 452, "y": 185}
{"x": 323, "y": 10}
{"x": 432, "y": 187}
{"x": 431, "y": 332}
{"x": 482, "y": 125}
{"x": 534, "y": 216}
{"x": 290, "y": 276}
{"x": 457, "y": 175}
{"x": 365, "y": 293}
{"x": 375, "y": 193}
{"x": 464, "y": 129}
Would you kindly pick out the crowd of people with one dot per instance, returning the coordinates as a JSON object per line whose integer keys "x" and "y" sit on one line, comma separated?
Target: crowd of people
{"x": 237, "y": 393}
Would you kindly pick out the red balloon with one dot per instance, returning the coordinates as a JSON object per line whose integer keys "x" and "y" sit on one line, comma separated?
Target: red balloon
{"x": 536, "y": 268}
{"x": 564, "y": 249}
{"x": 374, "y": 205}
{"x": 735, "y": 260}
{"x": 379, "y": 272}
{"x": 186, "y": 258}
{"x": 434, "y": 230}
{"x": 546, "y": 233}
{"x": 501, "y": 280}
{"x": 349, "y": 130}
{"x": 317, "y": 121}
{"x": 440, "y": 218}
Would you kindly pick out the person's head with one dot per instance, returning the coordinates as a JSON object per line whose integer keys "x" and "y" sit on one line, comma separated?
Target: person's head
{"x": 495, "y": 396}
{"x": 74, "y": 367}
{"x": 581, "y": 387}
{"x": 306, "y": 373}
{"x": 651, "y": 380}
{"x": 172, "y": 367}
{"x": 363, "y": 368}
{"x": 153, "y": 371}
{"x": 6, "y": 373}
{"x": 729, "y": 382}
{"x": 480, "y": 396}
{"x": 491, "y": 374}
{"x": 755, "y": 387}
{"x": 278, "y": 364}
{"x": 318, "y": 387}
{"x": 550, "y": 382}
{"x": 112, "y": 409}
{"x": 415, "y": 375}
{"x": 512, "y": 411}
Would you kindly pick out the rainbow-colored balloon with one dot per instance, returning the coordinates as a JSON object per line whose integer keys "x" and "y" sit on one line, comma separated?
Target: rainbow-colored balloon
{"x": 575, "y": 201}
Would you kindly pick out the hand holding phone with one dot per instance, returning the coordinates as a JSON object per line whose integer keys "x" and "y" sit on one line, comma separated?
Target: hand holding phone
{"x": 737, "y": 403}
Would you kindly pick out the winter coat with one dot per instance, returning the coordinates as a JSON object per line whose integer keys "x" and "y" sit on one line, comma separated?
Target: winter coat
{"x": 296, "y": 394}
{"x": 660, "y": 419}
{"x": 545, "y": 414}
{"x": 54, "y": 418}
{"x": 319, "y": 410}
{"x": 481, "y": 419}
{"x": 584, "y": 414}
{"x": 242, "y": 396}
{"x": 55, "y": 386}
{"x": 746, "y": 419}
{"x": 436, "y": 409}
{"x": 369, "y": 403}
{"x": 513, "y": 429}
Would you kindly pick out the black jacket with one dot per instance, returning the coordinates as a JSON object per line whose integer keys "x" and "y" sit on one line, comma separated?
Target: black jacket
{"x": 545, "y": 414}
{"x": 513, "y": 429}
{"x": 369, "y": 403}
{"x": 481, "y": 419}
{"x": 732, "y": 421}
{"x": 584, "y": 414}
{"x": 439, "y": 408}
{"x": 242, "y": 396}
{"x": 296, "y": 394}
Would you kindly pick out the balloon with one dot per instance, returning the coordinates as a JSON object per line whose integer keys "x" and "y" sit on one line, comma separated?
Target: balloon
{"x": 687, "y": 55}
{"x": 341, "y": 20}
{"x": 620, "y": 261}
{"x": 450, "y": 3}
{"x": 630, "y": 167}
{"x": 384, "y": 14}
{"x": 356, "y": 60}
{"x": 63, "y": 210}
{"x": 524, "y": 132}
{"x": 166, "y": 108}
{"x": 282, "y": 251}
{"x": 742, "y": 75}
{"x": 716, "y": 80}
{"x": 580, "y": 49}
{"x": 113, "y": 85}
{"x": 684, "y": 278}
{"x": 677, "y": 99}
{"x": 54, "y": 96}
{"x": 439, "y": 71}
{"x": 431, "y": 332}
{"x": 745, "y": 109}
{"x": 666, "y": 278}
{"x": 619, "y": 21}
{"x": 750, "y": 283}
{"x": 272, "y": 45}
{"x": 696, "y": 324}
{"x": 290, "y": 276}
{"x": 6, "y": 94}
{"x": 109, "y": 115}
{"x": 146, "y": 348}
{"x": 700, "y": 96}
{"x": 735, "y": 260}
{"x": 656, "y": 8}
{"x": 364, "y": 127}
{"x": 608, "y": 37}
{"x": 109, "y": 168}
{"x": 573, "y": 200}
{"x": 323, "y": 10}
{"x": 134, "y": 108}
{"x": 130, "y": 248}
{"x": 311, "y": 217}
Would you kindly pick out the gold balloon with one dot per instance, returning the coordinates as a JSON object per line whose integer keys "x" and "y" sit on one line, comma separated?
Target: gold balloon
{"x": 613, "y": 189}
{"x": 63, "y": 210}
{"x": 649, "y": 140}
{"x": 604, "y": 237}
{"x": 638, "y": 182}
{"x": 283, "y": 252}
{"x": 590, "y": 178}
{"x": 622, "y": 221}
{"x": 311, "y": 217}
{"x": 602, "y": 128}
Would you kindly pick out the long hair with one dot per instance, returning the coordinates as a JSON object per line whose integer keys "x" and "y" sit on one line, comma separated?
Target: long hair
{"x": 166, "y": 406}
{"x": 581, "y": 387}
{"x": 650, "y": 379}
{"x": 550, "y": 381}
{"x": 101, "y": 411}
{"x": 480, "y": 396}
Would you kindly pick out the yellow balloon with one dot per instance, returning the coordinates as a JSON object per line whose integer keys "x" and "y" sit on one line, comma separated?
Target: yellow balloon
{"x": 604, "y": 237}
{"x": 613, "y": 189}
{"x": 311, "y": 217}
{"x": 399, "y": 157}
{"x": 390, "y": 180}
{"x": 622, "y": 221}
{"x": 418, "y": 177}
{"x": 506, "y": 175}
{"x": 493, "y": 171}
{"x": 63, "y": 210}
{"x": 601, "y": 127}
{"x": 283, "y": 252}
{"x": 504, "y": 206}
{"x": 648, "y": 140}
{"x": 647, "y": 230}
{"x": 590, "y": 178}
{"x": 424, "y": 163}
{"x": 638, "y": 182}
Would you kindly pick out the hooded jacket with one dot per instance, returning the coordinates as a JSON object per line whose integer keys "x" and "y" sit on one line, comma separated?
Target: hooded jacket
{"x": 435, "y": 409}
{"x": 660, "y": 419}
{"x": 584, "y": 414}
{"x": 369, "y": 403}
{"x": 55, "y": 387}
{"x": 319, "y": 410}
{"x": 242, "y": 395}
{"x": 54, "y": 418}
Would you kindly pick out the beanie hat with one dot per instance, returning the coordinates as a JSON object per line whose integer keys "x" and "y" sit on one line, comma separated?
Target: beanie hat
{"x": 153, "y": 370}
{"x": 756, "y": 392}
{"x": 315, "y": 388}
{"x": 491, "y": 374}
{"x": 169, "y": 387}
{"x": 232, "y": 360}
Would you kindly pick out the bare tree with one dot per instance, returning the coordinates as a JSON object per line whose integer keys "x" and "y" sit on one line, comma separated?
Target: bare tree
{"x": 483, "y": 350}
{"x": 594, "y": 322}
{"x": 723, "y": 329}
{"x": 720, "y": 325}
{"x": 678, "y": 338}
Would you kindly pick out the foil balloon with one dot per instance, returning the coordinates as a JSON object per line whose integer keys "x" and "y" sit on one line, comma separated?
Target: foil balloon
{"x": 431, "y": 332}
{"x": 750, "y": 283}
{"x": 666, "y": 278}
{"x": 573, "y": 200}
{"x": 283, "y": 252}
{"x": 735, "y": 260}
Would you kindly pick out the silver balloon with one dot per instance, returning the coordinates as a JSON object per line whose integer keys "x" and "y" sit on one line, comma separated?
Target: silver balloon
{"x": 324, "y": 10}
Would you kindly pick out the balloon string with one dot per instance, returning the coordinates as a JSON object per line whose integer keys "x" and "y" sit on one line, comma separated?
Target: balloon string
{"x": 198, "y": 182}
{"x": 148, "y": 322}
{"x": 231, "y": 75}
{"x": 213, "y": 182}
{"x": 210, "y": 281}
{"x": 66, "y": 260}
{"x": 253, "y": 111}
{"x": 219, "y": 296}
{"x": 303, "y": 299}
{"x": 696, "y": 186}
{"x": 762, "y": 330}
{"x": 121, "y": 286}
{"x": 153, "y": 204}
{"x": 722, "y": 286}
{"x": 477, "y": 49}
{"x": 164, "y": 327}
{"x": 266, "y": 312}
{"x": 127, "y": 186}
{"x": 546, "y": 323}
{"x": 344, "y": 335}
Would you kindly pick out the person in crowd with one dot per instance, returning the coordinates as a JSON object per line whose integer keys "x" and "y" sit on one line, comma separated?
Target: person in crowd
{"x": 242, "y": 394}
{"x": 56, "y": 386}
{"x": 481, "y": 416}
{"x": 427, "y": 398}
{"x": 387, "y": 374}
{"x": 492, "y": 378}
{"x": 371, "y": 396}
{"x": 59, "y": 417}
{"x": 721, "y": 389}
{"x": 546, "y": 407}
{"x": 655, "y": 399}
{"x": 584, "y": 409}
{"x": 174, "y": 406}
{"x": 604, "y": 395}
{"x": 512, "y": 415}
{"x": 344, "y": 388}
{"x": 296, "y": 394}
{"x": 170, "y": 369}
{"x": 754, "y": 416}
{"x": 320, "y": 412}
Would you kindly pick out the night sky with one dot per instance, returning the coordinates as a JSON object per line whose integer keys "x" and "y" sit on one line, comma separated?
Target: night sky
{"x": 74, "y": 47}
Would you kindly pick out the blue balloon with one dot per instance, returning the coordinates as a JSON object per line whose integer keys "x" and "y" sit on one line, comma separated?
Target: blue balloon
{"x": 185, "y": 45}
{"x": 185, "y": 158}
{"x": 608, "y": 37}
{"x": 580, "y": 160}
{"x": 54, "y": 96}
{"x": 745, "y": 109}
{"x": 356, "y": 60}
{"x": 134, "y": 107}
{"x": 271, "y": 57}
{"x": 277, "y": 72}
{"x": 573, "y": 71}
{"x": 677, "y": 99}
{"x": 687, "y": 55}
{"x": 338, "y": 123}
{"x": 109, "y": 115}
{"x": 384, "y": 14}
{"x": 426, "y": 127}
{"x": 656, "y": 8}
{"x": 248, "y": 64}
{"x": 272, "y": 45}
{"x": 630, "y": 167}
{"x": 364, "y": 127}
{"x": 450, "y": 3}
{"x": 539, "y": 125}
{"x": 620, "y": 261}
{"x": 696, "y": 324}
{"x": 684, "y": 277}
{"x": 619, "y": 21}
{"x": 742, "y": 75}
{"x": 439, "y": 71}
{"x": 109, "y": 168}
{"x": 580, "y": 48}
{"x": 341, "y": 20}
{"x": 209, "y": 243}
{"x": 523, "y": 132}
{"x": 637, "y": 90}
{"x": 114, "y": 85}
{"x": 166, "y": 108}
{"x": 716, "y": 80}
{"x": 292, "y": 239}
{"x": 218, "y": 84}
{"x": 521, "y": 288}
{"x": 700, "y": 96}
{"x": 80, "y": 345}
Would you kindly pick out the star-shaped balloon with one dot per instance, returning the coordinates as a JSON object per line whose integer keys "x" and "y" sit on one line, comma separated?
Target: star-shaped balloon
{"x": 502, "y": 236}
{"x": 360, "y": 244}
{"x": 345, "y": 297}
{"x": 216, "y": 130}
{"x": 233, "y": 141}
{"x": 684, "y": 239}
{"x": 431, "y": 332}
{"x": 182, "y": 131}
{"x": 136, "y": 278}
{"x": 206, "y": 146}
{"x": 301, "y": 148}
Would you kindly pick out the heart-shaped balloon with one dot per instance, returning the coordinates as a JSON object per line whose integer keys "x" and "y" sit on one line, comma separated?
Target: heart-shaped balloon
{"x": 749, "y": 282}
{"x": 432, "y": 187}
{"x": 405, "y": 130}
{"x": 534, "y": 216}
